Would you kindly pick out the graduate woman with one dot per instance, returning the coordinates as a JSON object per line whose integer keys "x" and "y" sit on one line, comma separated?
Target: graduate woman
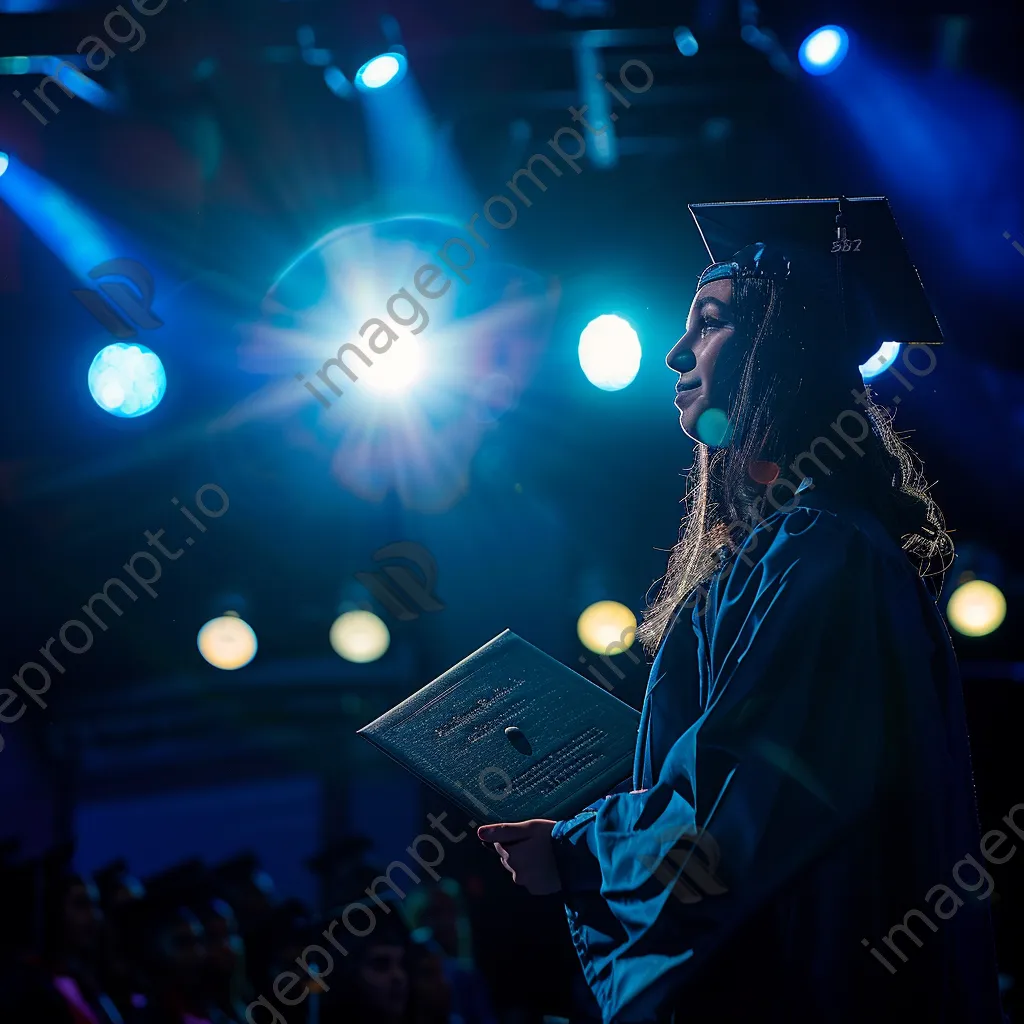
{"x": 802, "y": 786}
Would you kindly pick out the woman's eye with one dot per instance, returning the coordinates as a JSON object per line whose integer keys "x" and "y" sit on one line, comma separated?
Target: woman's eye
{"x": 711, "y": 324}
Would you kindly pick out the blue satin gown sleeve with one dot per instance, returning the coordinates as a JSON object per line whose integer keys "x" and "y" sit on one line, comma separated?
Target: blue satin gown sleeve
{"x": 782, "y": 754}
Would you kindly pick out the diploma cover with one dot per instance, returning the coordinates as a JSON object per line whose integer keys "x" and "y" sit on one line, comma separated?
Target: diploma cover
{"x": 510, "y": 733}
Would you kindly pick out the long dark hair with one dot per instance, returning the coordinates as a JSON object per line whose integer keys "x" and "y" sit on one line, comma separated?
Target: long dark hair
{"x": 789, "y": 395}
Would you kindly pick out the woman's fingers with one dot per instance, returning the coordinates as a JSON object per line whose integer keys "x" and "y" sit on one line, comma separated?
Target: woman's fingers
{"x": 525, "y": 851}
{"x": 503, "y": 857}
{"x": 504, "y": 833}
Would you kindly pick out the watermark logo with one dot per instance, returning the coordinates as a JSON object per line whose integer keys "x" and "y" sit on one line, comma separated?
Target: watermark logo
{"x": 402, "y": 592}
{"x": 135, "y": 303}
{"x": 698, "y": 869}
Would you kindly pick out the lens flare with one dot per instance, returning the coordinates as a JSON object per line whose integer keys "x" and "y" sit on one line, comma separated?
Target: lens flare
{"x": 713, "y": 428}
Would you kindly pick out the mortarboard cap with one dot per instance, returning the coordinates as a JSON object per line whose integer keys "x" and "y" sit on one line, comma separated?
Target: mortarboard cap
{"x": 846, "y": 256}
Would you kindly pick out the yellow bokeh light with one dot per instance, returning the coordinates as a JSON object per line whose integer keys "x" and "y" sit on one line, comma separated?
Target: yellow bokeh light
{"x": 227, "y": 642}
{"x": 606, "y": 627}
{"x": 359, "y": 636}
{"x": 976, "y": 608}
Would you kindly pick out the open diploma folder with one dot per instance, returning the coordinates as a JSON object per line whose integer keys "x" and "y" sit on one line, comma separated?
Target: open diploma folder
{"x": 510, "y": 734}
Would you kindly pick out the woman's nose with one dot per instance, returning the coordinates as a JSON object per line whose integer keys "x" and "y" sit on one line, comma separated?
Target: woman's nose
{"x": 680, "y": 357}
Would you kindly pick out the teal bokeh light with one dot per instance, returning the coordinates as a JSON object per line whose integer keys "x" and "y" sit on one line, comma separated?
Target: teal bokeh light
{"x": 713, "y": 428}
{"x": 127, "y": 380}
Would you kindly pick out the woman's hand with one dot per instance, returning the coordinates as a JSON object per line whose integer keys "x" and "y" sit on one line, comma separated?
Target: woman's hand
{"x": 526, "y": 851}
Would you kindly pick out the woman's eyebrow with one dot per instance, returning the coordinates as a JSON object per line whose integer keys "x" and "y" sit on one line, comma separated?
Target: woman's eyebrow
{"x": 701, "y": 304}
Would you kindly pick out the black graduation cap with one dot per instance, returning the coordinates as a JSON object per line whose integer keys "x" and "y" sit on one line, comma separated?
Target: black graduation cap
{"x": 847, "y": 253}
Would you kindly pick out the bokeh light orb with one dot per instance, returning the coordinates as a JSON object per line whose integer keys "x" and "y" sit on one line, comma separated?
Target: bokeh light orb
{"x": 880, "y": 361}
{"x": 385, "y": 69}
{"x": 359, "y": 636}
{"x": 127, "y": 380}
{"x": 823, "y": 50}
{"x": 606, "y": 627}
{"x": 609, "y": 352}
{"x": 713, "y": 428}
{"x": 976, "y": 608}
{"x": 4, "y": 162}
{"x": 227, "y": 642}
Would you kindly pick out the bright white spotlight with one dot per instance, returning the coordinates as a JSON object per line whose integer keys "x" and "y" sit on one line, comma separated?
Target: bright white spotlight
{"x": 386, "y": 69}
{"x": 127, "y": 380}
{"x": 606, "y": 627}
{"x": 609, "y": 352}
{"x": 227, "y": 642}
{"x": 823, "y": 50}
{"x": 395, "y": 372}
{"x": 976, "y": 608}
{"x": 4, "y": 161}
{"x": 880, "y": 361}
{"x": 359, "y": 636}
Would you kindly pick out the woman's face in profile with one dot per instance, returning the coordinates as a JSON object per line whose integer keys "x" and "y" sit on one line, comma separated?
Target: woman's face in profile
{"x": 705, "y": 376}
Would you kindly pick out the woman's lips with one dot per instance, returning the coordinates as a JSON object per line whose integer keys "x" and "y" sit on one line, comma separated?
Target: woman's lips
{"x": 686, "y": 392}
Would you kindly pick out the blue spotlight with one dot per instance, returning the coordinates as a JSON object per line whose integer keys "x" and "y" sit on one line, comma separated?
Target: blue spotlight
{"x": 127, "y": 380}
{"x": 78, "y": 83}
{"x": 823, "y": 50}
{"x": 880, "y": 361}
{"x": 686, "y": 43}
{"x": 77, "y": 238}
{"x": 385, "y": 69}
{"x": 3, "y": 163}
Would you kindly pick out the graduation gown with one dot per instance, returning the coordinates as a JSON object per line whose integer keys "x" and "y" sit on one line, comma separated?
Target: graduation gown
{"x": 803, "y": 784}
